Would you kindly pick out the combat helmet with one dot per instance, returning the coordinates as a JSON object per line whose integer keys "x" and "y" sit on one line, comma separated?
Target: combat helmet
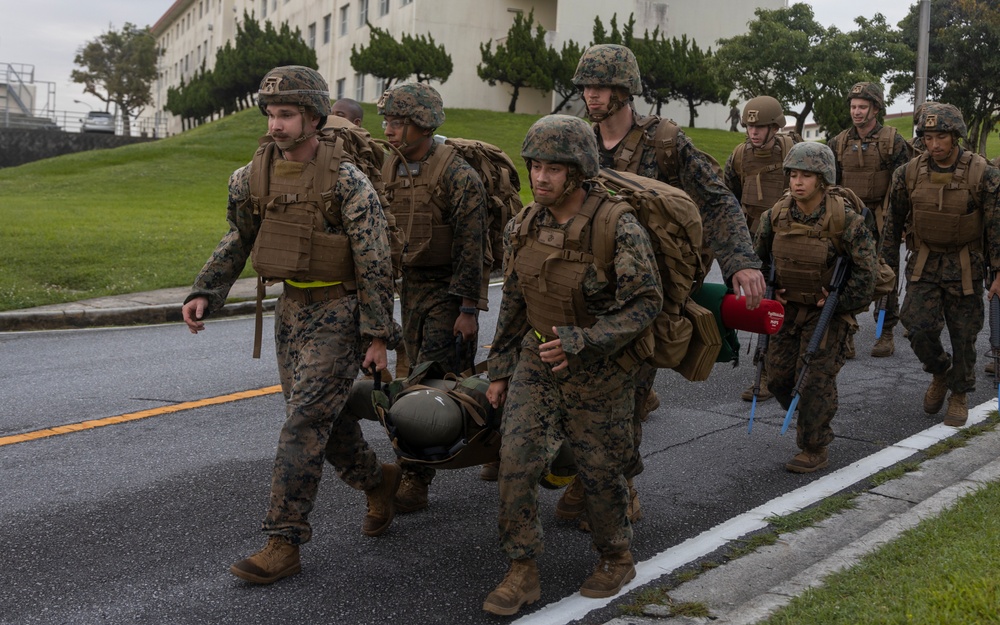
{"x": 295, "y": 84}
{"x": 562, "y": 139}
{"x": 938, "y": 117}
{"x": 871, "y": 91}
{"x": 763, "y": 111}
{"x": 608, "y": 65}
{"x": 814, "y": 157}
{"x": 415, "y": 100}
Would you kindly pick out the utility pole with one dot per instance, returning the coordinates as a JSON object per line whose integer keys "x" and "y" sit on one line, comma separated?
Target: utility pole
{"x": 923, "y": 36}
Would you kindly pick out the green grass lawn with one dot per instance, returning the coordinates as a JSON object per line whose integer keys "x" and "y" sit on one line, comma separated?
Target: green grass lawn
{"x": 146, "y": 216}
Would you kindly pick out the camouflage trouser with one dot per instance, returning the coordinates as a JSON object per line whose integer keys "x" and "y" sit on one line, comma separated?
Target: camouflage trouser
{"x": 591, "y": 409}
{"x": 926, "y": 309}
{"x": 429, "y": 313}
{"x": 643, "y": 386}
{"x": 818, "y": 393}
{"x": 319, "y": 353}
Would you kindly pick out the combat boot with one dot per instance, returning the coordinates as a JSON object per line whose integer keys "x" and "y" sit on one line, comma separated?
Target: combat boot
{"x": 634, "y": 510}
{"x": 572, "y": 503}
{"x": 762, "y": 394}
{"x": 490, "y": 471}
{"x": 520, "y": 586}
{"x": 809, "y": 460}
{"x": 613, "y": 571}
{"x": 381, "y": 508}
{"x": 958, "y": 410}
{"x": 411, "y": 496}
{"x": 991, "y": 367}
{"x": 934, "y": 397}
{"x": 279, "y": 558}
{"x": 884, "y": 347}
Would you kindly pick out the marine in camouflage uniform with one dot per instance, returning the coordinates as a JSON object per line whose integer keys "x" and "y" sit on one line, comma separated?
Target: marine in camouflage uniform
{"x": 322, "y": 329}
{"x": 869, "y": 167}
{"x": 945, "y": 190}
{"x": 803, "y": 299}
{"x": 754, "y": 173}
{"x": 628, "y": 141}
{"x": 567, "y": 382}
{"x": 440, "y": 290}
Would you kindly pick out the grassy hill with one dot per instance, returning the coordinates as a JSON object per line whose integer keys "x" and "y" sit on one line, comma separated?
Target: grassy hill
{"x": 147, "y": 216}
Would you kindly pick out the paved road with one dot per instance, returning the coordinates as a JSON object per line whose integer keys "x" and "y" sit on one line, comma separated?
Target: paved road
{"x": 138, "y": 522}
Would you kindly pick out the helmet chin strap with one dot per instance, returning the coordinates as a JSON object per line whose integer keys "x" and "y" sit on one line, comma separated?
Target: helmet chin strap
{"x": 616, "y": 104}
{"x": 302, "y": 138}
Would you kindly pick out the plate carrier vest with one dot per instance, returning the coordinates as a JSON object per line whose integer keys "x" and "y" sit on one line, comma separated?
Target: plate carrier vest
{"x": 940, "y": 220}
{"x": 763, "y": 176}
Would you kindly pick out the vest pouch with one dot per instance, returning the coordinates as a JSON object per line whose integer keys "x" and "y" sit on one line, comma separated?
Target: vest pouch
{"x": 424, "y": 244}
{"x": 800, "y": 282}
{"x": 939, "y": 228}
{"x": 281, "y": 249}
{"x": 671, "y": 336}
{"x": 330, "y": 259}
{"x": 705, "y": 345}
{"x": 867, "y": 184}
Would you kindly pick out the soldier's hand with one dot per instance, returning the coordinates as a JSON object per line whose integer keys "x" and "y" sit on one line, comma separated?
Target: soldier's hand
{"x": 779, "y": 294}
{"x": 749, "y": 283}
{"x": 193, "y": 312}
{"x": 994, "y": 286}
{"x": 467, "y": 326}
{"x": 375, "y": 355}
{"x": 552, "y": 353}
{"x": 496, "y": 394}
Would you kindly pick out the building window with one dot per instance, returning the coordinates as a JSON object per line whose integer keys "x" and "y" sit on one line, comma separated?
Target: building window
{"x": 362, "y": 14}
{"x": 403, "y": 3}
{"x": 380, "y": 85}
{"x": 311, "y": 35}
{"x": 343, "y": 19}
{"x": 340, "y": 88}
{"x": 263, "y": 9}
{"x": 359, "y": 87}
{"x": 383, "y": 7}
{"x": 327, "y": 28}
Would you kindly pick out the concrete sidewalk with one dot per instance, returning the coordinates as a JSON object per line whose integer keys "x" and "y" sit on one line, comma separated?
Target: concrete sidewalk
{"x": 160, "y": 306}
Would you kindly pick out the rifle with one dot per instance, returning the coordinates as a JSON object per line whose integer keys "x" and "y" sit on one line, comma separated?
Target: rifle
{"x": 995, "y": 341}
{"x": 829, "y": 308}
{"x": 761, "y": 353}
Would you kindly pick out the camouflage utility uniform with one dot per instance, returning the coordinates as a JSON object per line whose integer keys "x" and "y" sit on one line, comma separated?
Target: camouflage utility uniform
{"x": 944, "y": 280}
{"x": 433, "y": 290}
{"x": 319, "y": 345}
{"x": 818, "y": 393}
{"x": 869, "y": 164}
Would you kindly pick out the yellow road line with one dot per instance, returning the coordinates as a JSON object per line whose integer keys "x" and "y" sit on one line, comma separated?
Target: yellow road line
{"x": 135, "y": 416}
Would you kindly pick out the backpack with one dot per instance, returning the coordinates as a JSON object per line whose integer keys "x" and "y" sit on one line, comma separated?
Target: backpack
{"x": 499, "y": 176}
{"x": 673, "y": 223}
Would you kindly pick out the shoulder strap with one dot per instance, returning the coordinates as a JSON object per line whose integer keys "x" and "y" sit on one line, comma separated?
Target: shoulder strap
{"x": 631, "y": 144}
{"x": 666, "y": 149}
{"x": 260, "y": 174}
{"x": 738, "y": 159}
{"x": 602, "y": 240}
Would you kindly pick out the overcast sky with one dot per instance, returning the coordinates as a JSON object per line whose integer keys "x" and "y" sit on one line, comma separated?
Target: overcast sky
{"x": 48, "y": 33}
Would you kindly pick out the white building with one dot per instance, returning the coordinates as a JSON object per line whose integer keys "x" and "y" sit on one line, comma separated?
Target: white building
{"x": 193, "y": 30}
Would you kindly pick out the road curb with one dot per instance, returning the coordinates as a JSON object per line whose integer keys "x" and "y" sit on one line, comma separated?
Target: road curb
{"x": 21, "y": 321}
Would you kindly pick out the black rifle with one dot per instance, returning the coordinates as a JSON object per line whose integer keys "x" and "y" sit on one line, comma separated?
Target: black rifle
{"x": 829, "y": 309}
{"x": 760, "y": 355}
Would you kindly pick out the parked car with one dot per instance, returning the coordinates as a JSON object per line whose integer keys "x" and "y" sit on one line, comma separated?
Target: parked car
{"x": 98, "y": 121}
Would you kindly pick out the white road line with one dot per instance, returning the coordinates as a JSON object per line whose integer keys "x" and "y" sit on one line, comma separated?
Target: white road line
{"x": 577, "y": 606}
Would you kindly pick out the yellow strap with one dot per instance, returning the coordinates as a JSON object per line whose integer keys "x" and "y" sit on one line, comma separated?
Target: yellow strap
{"x": 310, "y": 285}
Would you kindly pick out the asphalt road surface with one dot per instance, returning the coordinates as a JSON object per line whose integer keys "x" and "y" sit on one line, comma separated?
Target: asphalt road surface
{"x": 136, "y": 520}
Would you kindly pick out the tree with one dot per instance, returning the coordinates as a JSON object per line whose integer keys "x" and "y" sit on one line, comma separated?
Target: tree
{"x": 694, "y": 78}
{"x": 786, "y": 54}
{"x": 564, "y": 67}
{"x": 523, "y": 60}
{"x": 962, "y": 69}
{"x": 384, "y": 57}
{"x": 119, "y": 67}
{"x": 429, "y": 61}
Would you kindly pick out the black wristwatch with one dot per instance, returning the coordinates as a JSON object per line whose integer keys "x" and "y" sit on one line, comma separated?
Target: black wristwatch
{"x": 467, "y": 310}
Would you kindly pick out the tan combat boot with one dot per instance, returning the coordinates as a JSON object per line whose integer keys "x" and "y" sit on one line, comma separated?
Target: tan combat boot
{"x": 990, "y": 367}
{"x": 613, "y": 571}
{"x": 490, "y": 471}
{"x": 381, "y": 508}
{"x": 762, "y": 394}
{"x": 958, "y": 410}
{"x": 934, "y": 397}
{"x": 571, "y": 504}
{"x": 520, "y": 586}
{"x": 279, "y": 558}
{"x": 411, "y": 496}
{"x": 634, "y": 510}
{"x": 884, "y": 347}
{"x": 809, "y": 460}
